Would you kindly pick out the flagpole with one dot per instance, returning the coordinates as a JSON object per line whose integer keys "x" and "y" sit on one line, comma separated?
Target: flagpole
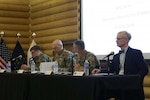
{"x": 29, "y": 55}
{"x": 1, "y": 40}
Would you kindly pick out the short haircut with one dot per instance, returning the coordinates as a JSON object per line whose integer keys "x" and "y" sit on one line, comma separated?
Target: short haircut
{"x": 36, "y": 47}
{"x": 79, "y": 44}
{"x": 127, "y": 34}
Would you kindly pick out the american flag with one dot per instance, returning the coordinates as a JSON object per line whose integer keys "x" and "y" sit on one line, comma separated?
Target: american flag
{"x": 4, "y": 51}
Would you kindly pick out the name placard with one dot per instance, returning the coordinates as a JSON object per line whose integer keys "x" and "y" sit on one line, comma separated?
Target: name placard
{"x": 20, "y": 71}
{"x": 78, "y": 73}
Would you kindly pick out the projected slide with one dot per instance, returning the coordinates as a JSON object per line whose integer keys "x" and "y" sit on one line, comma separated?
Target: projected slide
{"x": 101, "y": 20}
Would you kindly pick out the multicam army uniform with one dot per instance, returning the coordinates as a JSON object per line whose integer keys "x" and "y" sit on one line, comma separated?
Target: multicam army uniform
{"x": 64, "y": 60}
{"x": 92, "y": 59}
{"x": 41, "y": 58}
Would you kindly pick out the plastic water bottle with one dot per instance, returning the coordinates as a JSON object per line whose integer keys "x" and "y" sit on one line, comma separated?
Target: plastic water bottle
{"x": 8, "y": 66}
{"x": 56, "y": 67}
{"x": 86, "y": 67}
{"x": 32, "y": 65}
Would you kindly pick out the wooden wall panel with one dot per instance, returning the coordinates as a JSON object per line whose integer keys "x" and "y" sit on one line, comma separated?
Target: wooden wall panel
{"x": 56, "y": 31}
{"x": 14, "y": 27}
{"x": 55, "y": 24}
{"x": 49, "y": 19}
{"x": 55, "y": 19}
{"x": 19, "y": 7}
{"x": 48, "y": 4}
{"x": 59, "y": 16}
{"x": 14, "y": 18}
{"x": 14, "y": 14}
{"x": 37, "y": 2}
{"x": 19, "y": 2}
{"x": 63, "y": 37}
{"x": 21, "y": 21}
{"x": 11, "y": 40}
{"x": 54, "y": 10}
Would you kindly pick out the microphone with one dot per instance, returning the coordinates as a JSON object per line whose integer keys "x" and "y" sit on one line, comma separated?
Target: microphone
{"x": 74, "y": 55}
{"x": 30, "y": 59}
{"x": 20, "y": 56}
{"x": 72, "y": 68}
{"x": 111, "y": 53}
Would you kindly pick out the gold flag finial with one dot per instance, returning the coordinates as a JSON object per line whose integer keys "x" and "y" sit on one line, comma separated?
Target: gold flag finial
{"x": 2, "y": 34}
{"x": 18, "y": 35}
{"x": 33, "y": 35}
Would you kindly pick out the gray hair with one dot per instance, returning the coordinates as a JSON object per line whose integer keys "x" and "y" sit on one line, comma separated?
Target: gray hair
{"x": 127, "y": 34}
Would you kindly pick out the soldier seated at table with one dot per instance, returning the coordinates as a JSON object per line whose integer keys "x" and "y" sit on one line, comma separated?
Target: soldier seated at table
{"x": 38, "y": 57}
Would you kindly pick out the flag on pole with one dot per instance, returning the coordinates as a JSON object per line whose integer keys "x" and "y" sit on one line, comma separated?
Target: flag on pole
{"x": 4, "y": 51}
{"x": 3, "y": 64}
{"x": 29, "y": 55}
{"x": 18, "y": 57}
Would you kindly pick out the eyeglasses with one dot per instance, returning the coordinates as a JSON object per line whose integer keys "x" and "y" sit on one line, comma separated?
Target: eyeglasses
{"x": 119, "y": 38}
{"x": 55, "y": 48}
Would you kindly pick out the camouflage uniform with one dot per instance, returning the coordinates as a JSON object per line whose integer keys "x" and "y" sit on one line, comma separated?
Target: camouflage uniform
{"x": 92, "y": 59}
{"x": 64, "y": 60}
{"x": 41, "y": 58}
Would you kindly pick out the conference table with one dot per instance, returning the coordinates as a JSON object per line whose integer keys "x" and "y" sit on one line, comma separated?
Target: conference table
{"x": 28, "y": 86}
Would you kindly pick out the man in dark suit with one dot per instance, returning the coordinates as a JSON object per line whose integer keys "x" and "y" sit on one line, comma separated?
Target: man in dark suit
{"x": 128, "y": 61}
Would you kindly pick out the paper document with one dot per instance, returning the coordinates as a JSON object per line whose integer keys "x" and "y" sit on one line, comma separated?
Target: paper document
{"x": 46, "y": 66}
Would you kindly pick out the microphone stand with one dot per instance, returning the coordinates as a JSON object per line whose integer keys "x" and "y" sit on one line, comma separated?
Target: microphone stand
{"x": 108, "y": 62}
{"x": 72, "y": 68}
{"x": 73, "y": 62}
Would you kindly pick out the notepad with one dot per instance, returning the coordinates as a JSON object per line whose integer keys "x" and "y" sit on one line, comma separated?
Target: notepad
{"x": 46, "y": 66}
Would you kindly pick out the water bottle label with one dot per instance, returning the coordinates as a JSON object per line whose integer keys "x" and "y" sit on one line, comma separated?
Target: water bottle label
{"x": 8, "y": 67}
{"x": 86, "y": 70}
{"x": 86, "y": 67}
{"x": 32, "y": 68}
{"x": 56, "y": 68}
